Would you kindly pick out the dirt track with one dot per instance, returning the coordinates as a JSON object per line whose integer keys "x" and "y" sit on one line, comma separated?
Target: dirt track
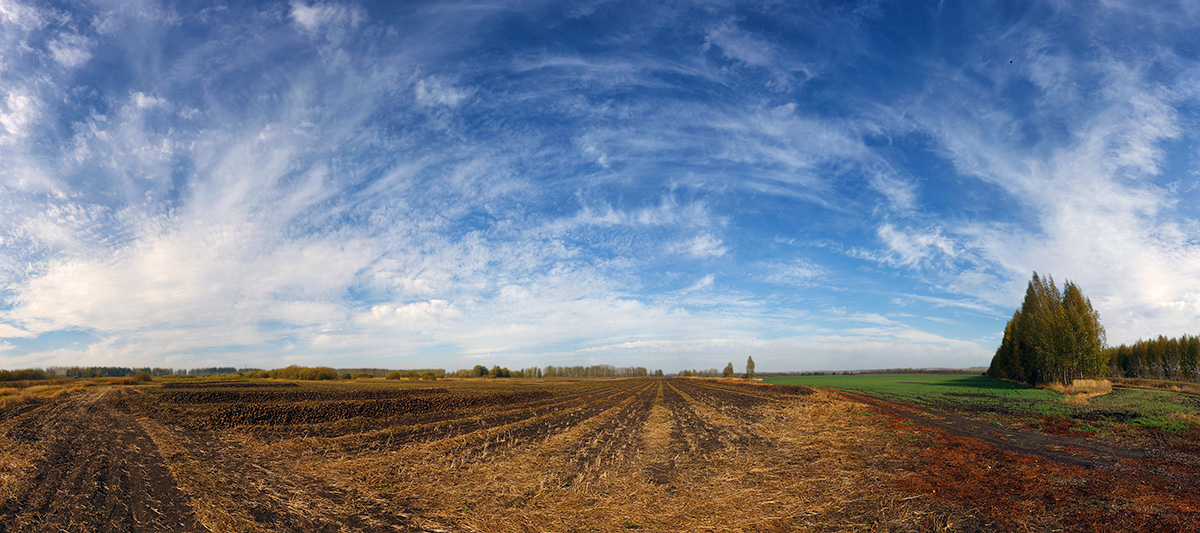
{"x": 101, "y": 472}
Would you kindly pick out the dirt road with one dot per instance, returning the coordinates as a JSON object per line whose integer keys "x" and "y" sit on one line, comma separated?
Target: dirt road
{"x": 99, "y": 472}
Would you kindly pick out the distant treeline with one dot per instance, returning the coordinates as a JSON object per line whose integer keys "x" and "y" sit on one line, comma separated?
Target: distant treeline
{"x": 595, "y": 371}
{"x": 290, "y": 372}
{"x": 122, "y": 371}
{"x": 1162, "y": 358}
{"x": 551, "y": 371}
{"x": 822, "y": 373}
{"x": 22, "y": 375}
{"x": 103, "y": 371}
{"x": 709, "y": 373}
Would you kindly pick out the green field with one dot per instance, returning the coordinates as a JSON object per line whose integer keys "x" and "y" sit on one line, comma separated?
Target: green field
{"x": 925, "y": 389}
{"x": 1173, "y": 411}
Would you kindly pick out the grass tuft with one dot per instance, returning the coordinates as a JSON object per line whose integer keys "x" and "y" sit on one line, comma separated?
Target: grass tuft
{"x": 1080, "y": 390}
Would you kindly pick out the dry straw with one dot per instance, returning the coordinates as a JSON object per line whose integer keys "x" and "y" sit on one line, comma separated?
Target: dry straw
{"x": 1081, "y": 390}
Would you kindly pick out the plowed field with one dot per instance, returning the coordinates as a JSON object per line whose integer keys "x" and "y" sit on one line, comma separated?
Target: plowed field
{"x": 553, "y": 455}
{"x": 472, "y": 455}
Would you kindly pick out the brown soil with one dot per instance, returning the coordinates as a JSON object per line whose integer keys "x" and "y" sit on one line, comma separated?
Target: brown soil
{"x": 101, "y": 472}
{"x": 1031, "y": 480}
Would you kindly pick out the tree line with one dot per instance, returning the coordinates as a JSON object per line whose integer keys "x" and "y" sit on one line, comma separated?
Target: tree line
{"x": 551, "y": 371}
{"x": 1175, "y": 359}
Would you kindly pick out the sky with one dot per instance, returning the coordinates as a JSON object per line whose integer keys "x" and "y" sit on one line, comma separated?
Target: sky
{"x": 674, "y": 185}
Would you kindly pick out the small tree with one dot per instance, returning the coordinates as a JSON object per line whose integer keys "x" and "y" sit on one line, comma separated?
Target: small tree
{"x": 728, "y": 373}
{"x": 749, "y": 367}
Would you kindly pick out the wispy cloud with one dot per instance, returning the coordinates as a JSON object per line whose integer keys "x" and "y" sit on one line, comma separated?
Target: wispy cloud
{"x": 313, "y": 17}
{"x": 418, "y": 185}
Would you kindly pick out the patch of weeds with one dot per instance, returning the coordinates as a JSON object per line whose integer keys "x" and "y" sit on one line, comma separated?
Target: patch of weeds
{"x": 630, "y": 524}
{"x": 517, "y": 502}
{"x": 1158, "y": 422}
{"x": 1088, "y": 428}
{"x": 915, "y": 439}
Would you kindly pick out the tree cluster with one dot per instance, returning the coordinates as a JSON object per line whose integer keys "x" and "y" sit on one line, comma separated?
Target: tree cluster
{"x": 105, "y": 371}
{"x": 1055, "y": 337}
{"x": 427, "y": 374}
{"x": 710, "y": 373}
{"x": 318, "y": 373}
{"x": 551, "y": 371}
{"x": 1161, "y": 358}
{"x": 22, "y": 375}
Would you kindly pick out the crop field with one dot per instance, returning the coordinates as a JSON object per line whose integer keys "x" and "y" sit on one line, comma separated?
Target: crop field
{"x": 652, "y": 454}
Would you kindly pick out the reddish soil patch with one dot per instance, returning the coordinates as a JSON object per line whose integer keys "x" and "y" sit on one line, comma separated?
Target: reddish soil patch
{"x": 1029, "y": 480}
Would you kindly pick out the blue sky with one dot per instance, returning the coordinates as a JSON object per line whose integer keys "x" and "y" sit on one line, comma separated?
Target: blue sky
{"x": 671, "y": 185}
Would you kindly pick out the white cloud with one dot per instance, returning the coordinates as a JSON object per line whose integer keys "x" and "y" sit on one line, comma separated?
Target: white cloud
{"x": 417, "y": 316}
{"x": 16, "y": 115}
{"x": 702, "y": 246}
{"x": 799, "y": 272}
{"x": 314, "y": 17}
{"x": 668, "y": 212}
{"x": 439, "y": 91}
{"x": 71, "y": 50}
{"x": 742, "y": 46}
{"x": 21, "y": 15}
{"x": 702, "y": 283}
{"x": 11, "y": 332}
{"x": 901, "y": 194}
{"x": 916, "y": 247}
{"x": 145, "y": 101}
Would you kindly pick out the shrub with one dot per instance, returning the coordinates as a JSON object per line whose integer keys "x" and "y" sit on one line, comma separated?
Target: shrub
{"x": 395, "y": 374}
{"x": 143, "y": 376}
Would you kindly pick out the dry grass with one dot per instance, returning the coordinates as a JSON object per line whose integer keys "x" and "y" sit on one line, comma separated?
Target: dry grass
{"x": 820, "y": 471}
{"x": 209, "y": 501}
{"x": 1080, "y": 390}
{"x": 1189, "y": 418}
{"x": 1174, "y": 386}
{"x": 11, "y": 396}
{"x": 16, "y": 458}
